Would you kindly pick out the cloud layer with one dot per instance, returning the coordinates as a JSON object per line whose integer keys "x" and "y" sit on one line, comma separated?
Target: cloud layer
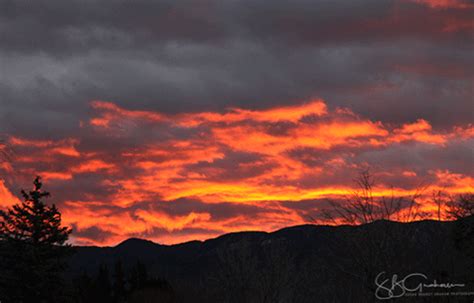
{"x": 176, "y": 177}
{"x": 178, "y": 120}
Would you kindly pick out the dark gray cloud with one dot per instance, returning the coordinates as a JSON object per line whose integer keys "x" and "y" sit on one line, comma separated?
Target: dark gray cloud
{"x": 93, "y": 233}
{"x": 218, "y": 211}
{"x": 422, "y": 159}
{"x": 390, "y": 60}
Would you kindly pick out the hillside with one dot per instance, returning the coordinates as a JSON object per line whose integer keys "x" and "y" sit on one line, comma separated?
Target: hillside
{"x": 298, "y": 264}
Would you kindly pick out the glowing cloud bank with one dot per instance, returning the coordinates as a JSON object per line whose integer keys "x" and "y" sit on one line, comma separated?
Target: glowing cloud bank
{"x": 194, "y": 175}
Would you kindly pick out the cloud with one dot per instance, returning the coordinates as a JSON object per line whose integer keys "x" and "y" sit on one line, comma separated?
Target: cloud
{"x": 240, "y": 107}
{"x": 233, "y": 170}
{"x": 443, "y": 4}
{"x": 173, "y": 57}
{"x": 7, "y": 199}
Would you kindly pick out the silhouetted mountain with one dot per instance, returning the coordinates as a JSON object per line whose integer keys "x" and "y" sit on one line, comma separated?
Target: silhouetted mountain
{"x": 295, "y": 264}
{"x": 136, "y": 243}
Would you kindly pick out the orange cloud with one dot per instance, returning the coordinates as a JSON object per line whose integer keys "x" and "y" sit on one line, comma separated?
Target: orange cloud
{"x": 111, "y": 109}
{"x": 286, "y": 113}
{"x": 92, "y": 166}
{"x": 66, "y": 147}
{"x": 418, "y": 131}
{"x": 246, "y": 131}
{"x": 7, "y": 199}
{"x": 48, "y": 175}
{"x": 239, "y": 158}
{"x": 170, "y": 223}
{"x": 455, "y": 182}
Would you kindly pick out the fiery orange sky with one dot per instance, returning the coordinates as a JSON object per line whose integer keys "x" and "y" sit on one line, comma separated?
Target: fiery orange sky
{"x": 174, "y": 121}
{"x": 177, "y": 177}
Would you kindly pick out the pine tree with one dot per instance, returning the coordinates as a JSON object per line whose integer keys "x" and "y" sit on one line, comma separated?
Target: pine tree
{"x": 33, "y": 247}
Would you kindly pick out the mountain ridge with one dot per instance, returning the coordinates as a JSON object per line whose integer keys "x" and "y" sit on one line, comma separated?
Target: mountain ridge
{"x": 231, "y": 234}
{"x": 292, "y": 259}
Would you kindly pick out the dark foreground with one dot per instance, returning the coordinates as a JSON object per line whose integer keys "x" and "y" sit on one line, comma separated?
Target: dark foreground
{"x": 309, "y": 263}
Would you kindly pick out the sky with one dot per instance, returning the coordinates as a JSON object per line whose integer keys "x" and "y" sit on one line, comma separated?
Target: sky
{"x": 183, "y": 120}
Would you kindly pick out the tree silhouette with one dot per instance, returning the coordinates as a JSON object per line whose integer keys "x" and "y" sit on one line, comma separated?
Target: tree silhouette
{"x": 33, "y": 247}
{"x": 103, "y": 290}
{"x": 119, "y": 281}
{"x": 95, "y": 288}
{"x": 462, "y": 210}
{"x": 372, "y": 250}
{"x": 461, "y": 207}
{"x": 138, "y": 276}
